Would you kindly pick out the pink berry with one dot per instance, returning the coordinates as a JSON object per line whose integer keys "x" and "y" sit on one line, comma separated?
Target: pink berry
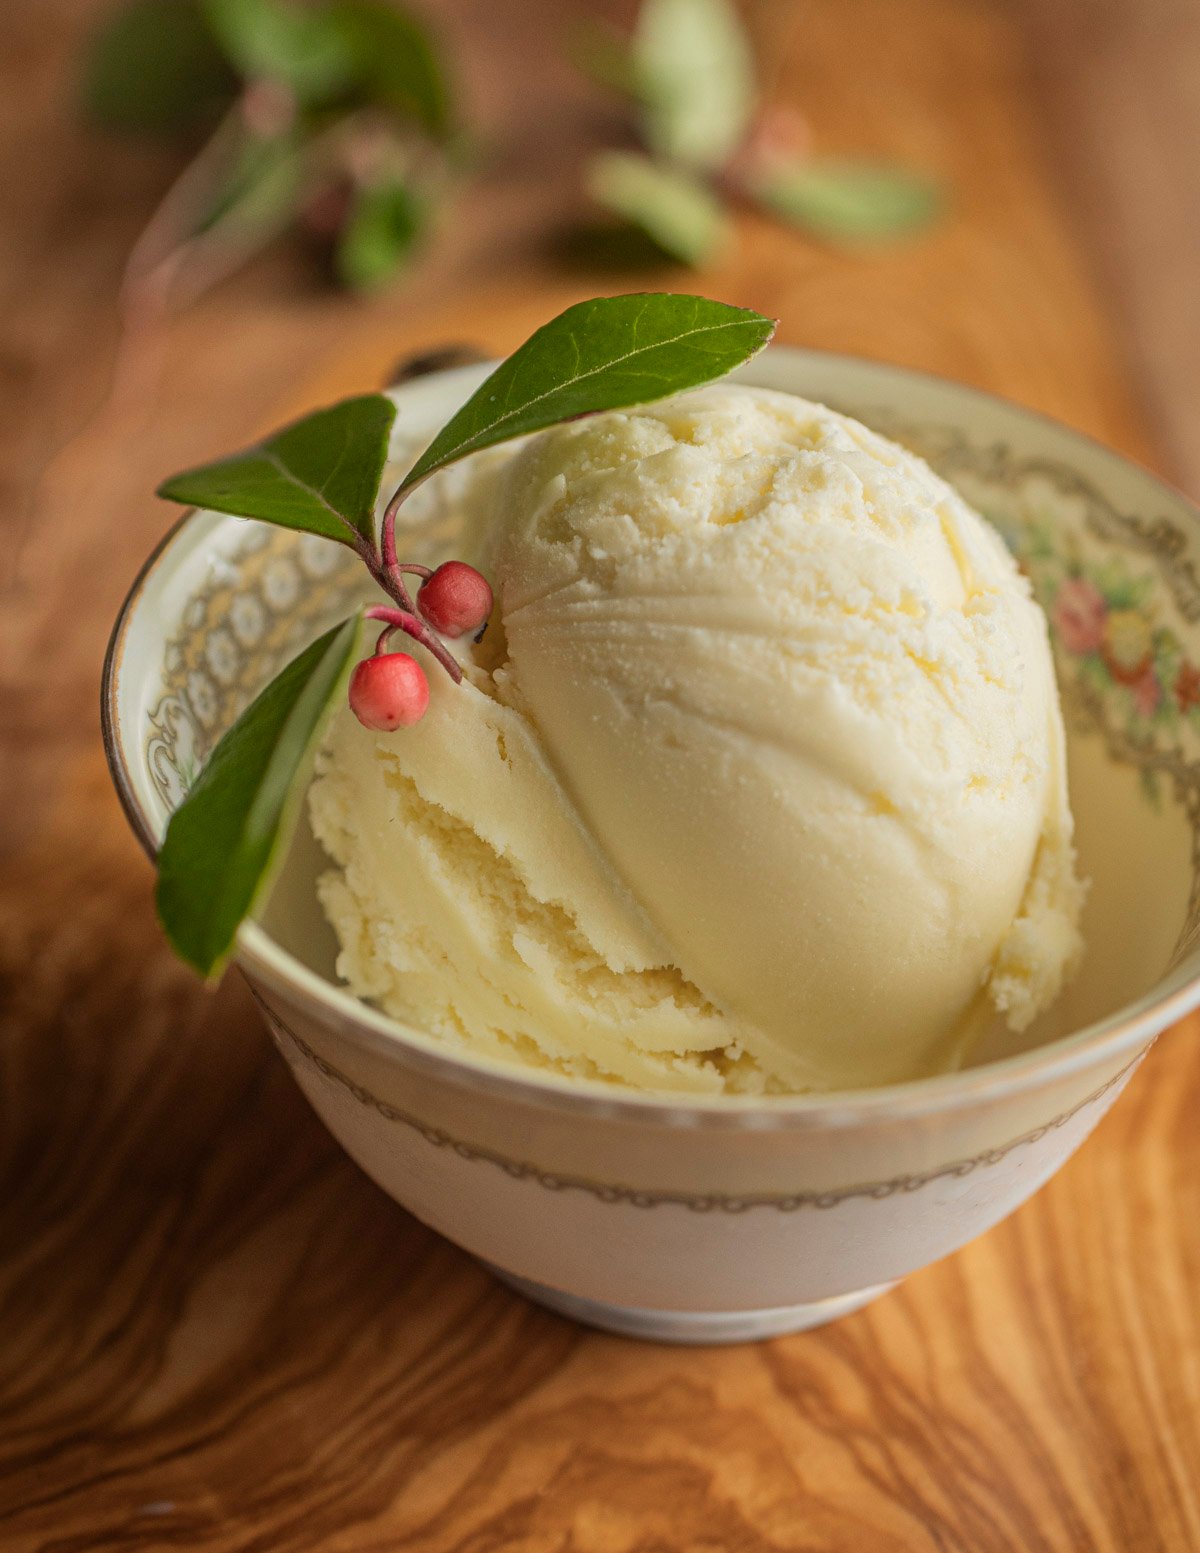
{"x": 389, "y": 691}
{"x": 455, "y": 600}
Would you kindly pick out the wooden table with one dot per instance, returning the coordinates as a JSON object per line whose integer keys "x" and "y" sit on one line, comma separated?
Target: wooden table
{"x": 216, "y": 1333}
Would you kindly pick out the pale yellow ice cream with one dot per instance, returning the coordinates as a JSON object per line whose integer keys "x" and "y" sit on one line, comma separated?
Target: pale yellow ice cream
{"x": 757, "y": 782}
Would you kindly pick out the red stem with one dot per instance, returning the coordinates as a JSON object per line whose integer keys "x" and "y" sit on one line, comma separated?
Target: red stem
{"x": 388, "y": 571}
{"x": 393, "y": 567}
{"x": 404, "y": 620}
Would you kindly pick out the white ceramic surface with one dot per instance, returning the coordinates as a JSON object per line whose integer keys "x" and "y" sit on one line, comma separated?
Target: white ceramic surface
{"x": 718, "y": 1220}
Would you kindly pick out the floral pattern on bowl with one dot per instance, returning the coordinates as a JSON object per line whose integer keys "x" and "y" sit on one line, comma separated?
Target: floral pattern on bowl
{"x": 1104, "y": 617}
{"x": 1120, "y": 591}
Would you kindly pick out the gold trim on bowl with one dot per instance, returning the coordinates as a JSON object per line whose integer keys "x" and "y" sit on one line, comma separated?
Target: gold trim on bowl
{"x": 697, "y": 1202}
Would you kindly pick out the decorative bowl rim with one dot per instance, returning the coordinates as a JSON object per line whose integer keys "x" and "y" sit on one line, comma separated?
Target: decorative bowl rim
{"x": 1130, "y": 1026}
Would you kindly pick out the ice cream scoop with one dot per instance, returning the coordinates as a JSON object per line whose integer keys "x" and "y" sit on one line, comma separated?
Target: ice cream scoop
{"x": 757, "y": 783}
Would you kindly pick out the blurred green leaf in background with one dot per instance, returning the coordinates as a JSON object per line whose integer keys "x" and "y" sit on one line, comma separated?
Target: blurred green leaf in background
{"x": 695, "y": 71}
{"x": 304, "y": 49}
{"x": 677, "y": 211}
{"x": 335, "y": 116}
{"x": 156, "y": 69}
{"x": 383, "y": 226}
{"x": 399, "y": 66}
{"x": 850, "y": 201}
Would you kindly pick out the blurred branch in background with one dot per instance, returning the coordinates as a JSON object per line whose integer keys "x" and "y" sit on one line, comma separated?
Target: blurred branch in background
{"x": 688, "y": 75}
{"x": 335, "y": 119}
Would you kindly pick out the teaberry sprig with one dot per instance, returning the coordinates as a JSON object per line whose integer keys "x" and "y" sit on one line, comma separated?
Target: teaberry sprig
{"x": 389, "y": 690}
{"x": 322, "y": 475}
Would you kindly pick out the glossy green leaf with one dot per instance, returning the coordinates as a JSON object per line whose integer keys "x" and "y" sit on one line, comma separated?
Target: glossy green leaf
{"x": 302, "y": 47}
{"x": 397, "y": 62}
{"x": 695, "y": 75}
{"x": 320, "y": 474}
{"x": 676, "y": 211}
{"x": 850, "y": 201}
{"x": 378, "y": 239}
{"x": 155, "y": 68}
{"x": 228, "y": 836}
{"x": 599, "y": 355}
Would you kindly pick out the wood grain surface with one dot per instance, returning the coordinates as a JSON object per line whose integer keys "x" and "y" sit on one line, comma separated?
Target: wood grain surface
{"x": 215, "y": 1333}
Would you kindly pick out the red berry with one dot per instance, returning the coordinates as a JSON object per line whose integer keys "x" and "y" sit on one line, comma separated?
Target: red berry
{"x": 389, "y": 691}
{"x": 455, "y": 600}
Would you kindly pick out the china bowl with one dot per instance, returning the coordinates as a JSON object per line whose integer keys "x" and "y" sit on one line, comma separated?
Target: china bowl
{"x": 718, "y": 1219}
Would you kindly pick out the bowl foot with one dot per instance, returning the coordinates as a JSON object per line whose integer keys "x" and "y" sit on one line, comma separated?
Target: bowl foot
{"x": 692, "y": 1326}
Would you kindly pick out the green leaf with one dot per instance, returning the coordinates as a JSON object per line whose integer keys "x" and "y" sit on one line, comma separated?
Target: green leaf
{"x": 155, "y": 68}
{"x": 227, "y": 837}
{"x": 850, "y": 201}
{"x": 320, "y": 474}
{"x": 695, "y": 76}
{"x": 678, "y": 212}
{"x": 302, "y": 47}
{"x": 397, "y": 61}
{"x": 379, "y": 237}
{"x": 599, "y": 355}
